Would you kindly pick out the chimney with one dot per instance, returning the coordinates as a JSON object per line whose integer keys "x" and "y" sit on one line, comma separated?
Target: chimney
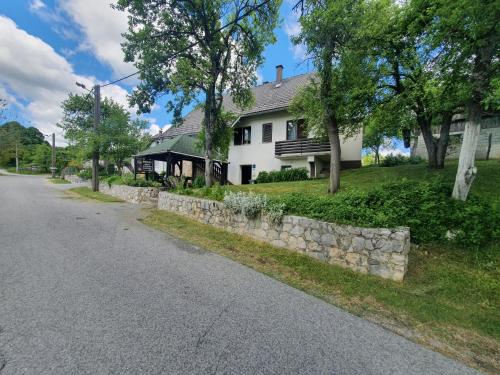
{"x": 160, "y": 132}
{"x": 279, "y": 75}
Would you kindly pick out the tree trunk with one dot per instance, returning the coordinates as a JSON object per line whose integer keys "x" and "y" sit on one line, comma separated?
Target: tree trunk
{"x": 430, "y": 142}
{"x": 443, "y": 141}
{"x": 209, "y": 126}
{"x": 334, "y": 139}
{"x": 466, "y": 171}
{"x": 377, "y": 155}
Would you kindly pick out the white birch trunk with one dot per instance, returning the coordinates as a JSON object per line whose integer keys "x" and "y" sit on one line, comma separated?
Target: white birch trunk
{"x": 466, "y": 170}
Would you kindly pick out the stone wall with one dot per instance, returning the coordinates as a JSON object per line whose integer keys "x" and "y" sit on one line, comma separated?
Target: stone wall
{"x": 144, "y": 195}
{"x": 74, "y": 179}
{"x": 381, "y": 252}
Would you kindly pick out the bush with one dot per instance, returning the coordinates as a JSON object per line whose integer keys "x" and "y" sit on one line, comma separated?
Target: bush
{"x": 85, "y": 174}
{"x": 290, "y": 174}
{"x": 394, "y": 160}
{"x": 424, "y": 207}
{"x": 129, "y": 181}
{"x": 199, "y": 182}
{"x": 249, "y": 205}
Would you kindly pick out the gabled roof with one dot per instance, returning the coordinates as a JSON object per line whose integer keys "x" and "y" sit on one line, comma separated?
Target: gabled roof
{"x": 184, "y": 144}
{"x": 268, "y": 97}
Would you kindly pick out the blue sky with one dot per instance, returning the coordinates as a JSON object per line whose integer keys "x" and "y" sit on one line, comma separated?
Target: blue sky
{"x": 46, "y": 45}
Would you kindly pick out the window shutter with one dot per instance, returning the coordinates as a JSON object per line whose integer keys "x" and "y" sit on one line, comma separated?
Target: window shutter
{"x": 267, "y": 133}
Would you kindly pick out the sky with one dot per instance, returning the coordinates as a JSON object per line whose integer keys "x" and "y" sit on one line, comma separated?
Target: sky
{"x": 48, "y": 45}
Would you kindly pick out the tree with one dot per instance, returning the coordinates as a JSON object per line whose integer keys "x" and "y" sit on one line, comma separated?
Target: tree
{"x": 17, "y": 143}
{"x": 467, "y": 34}
{"x": 181, "y": 48}
{"x": 382, "y": 124}
{"x": 118, "y": 136}
{"x": 397, "y": 36}
{"x": 42, "y": 157}
{"x": 338, "y": 98}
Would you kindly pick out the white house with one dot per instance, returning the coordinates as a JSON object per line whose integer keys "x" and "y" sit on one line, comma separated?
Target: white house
{"x": 267, "y": 138}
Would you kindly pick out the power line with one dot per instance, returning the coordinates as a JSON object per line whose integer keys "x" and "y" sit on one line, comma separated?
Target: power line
{"x": 175, "y": 54}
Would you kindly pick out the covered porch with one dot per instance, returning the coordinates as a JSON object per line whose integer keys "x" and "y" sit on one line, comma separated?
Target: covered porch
{"x": 182, "y": 158}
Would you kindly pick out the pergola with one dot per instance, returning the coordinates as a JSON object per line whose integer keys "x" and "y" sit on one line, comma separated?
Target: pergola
{"x": 174, "y": 151}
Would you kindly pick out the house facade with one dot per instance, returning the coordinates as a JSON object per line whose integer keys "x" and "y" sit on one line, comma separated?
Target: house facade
{"x": 488, "y": 144}
{"x": 267, "y": 138}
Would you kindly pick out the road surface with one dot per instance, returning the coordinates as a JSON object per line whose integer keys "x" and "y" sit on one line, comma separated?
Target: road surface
{"x": 85, "y": 288}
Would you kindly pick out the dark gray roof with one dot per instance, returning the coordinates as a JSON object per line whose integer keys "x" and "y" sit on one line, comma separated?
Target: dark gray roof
{"x": 268, "y": 98}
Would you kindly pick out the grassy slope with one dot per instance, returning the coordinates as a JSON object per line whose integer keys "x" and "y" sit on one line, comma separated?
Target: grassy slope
{"x": 58, "y": 181}
{"x": 487, "y": 182}
{"x": 86, "y": 192}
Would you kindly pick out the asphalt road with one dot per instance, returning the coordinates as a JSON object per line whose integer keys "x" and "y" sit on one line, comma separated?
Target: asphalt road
{"x": 87, "y": 289}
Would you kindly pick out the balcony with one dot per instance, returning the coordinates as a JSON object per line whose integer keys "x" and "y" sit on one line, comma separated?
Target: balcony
{"x": 306, "y": 146}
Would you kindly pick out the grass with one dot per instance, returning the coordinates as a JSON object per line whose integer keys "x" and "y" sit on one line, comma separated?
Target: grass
{"x": 85, "y": 192}
{"x": 58, "y": 180}
{"x": 366, "y": 178}
{"x": 449, "y": 300}
{"x": 24, "y": 171}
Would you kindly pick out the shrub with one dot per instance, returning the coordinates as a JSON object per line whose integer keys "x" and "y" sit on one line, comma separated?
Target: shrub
{"x": 394, "y": 160}
{"x": 129, "y": 181}
{"x": 274, "y": 211}
{"x": 85, "y": 174}
{"x": 262, "y": 178}
{"x": 199, "y": 182}
{"x": 424, "y": 207}
{"x": 290, "y": 174}
{"x": 249, "y": 205}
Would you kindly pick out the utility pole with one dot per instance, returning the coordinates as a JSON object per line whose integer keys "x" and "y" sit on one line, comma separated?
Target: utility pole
{"x": 53, "y": 168}
{"x": 95, "y": 153}
{"x": 17, "y": 159}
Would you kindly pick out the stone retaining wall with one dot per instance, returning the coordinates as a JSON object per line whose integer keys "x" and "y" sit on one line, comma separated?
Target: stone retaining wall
{"x": 144, "y": 195}
{"x": 74, "y": 179}
{"x": 381, "y": 252}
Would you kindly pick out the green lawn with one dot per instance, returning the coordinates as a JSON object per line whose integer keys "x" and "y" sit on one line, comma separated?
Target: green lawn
{"x": 24, "y": 171}
{"x": 449, "y": 300}
{"x": 85, "y": 192}
{"x": 58, "y": 180}
{"x": 487, "y": 182}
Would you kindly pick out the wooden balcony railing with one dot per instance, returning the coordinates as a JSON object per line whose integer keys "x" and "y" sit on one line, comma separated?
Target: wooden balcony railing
{"x": 300, "y": 146}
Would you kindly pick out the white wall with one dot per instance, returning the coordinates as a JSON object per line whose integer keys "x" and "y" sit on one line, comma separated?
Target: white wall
{"x": 262, "y": 154}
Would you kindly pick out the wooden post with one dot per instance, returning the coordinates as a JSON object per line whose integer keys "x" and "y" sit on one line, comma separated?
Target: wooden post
{"x": 135, "y": 168}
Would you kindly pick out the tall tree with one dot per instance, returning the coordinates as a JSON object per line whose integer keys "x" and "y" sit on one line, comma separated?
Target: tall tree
{"x": 118, "y": 136}
{"x": 396, "y": 35}
{"x": 337, "y": 100}
{"x": 181, "y": 48}
{"x": 467, "y": 34}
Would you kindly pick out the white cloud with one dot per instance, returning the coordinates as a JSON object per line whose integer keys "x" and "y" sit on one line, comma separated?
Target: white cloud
{"x": 101, "y": 27}
{"x": 37, "y": 75}
{"x": 37, "y": 5}
{"x": 292, "y": 28}
{"x": 155, "y": 128}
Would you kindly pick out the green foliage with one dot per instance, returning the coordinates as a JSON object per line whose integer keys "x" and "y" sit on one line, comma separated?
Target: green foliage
{"x": 249, "y": 205}
{"x": 13, "y": 134}
{"x": 128, "y": 180}
{"x": 222, "y": 62}
{"x": 42, "y": 157}
{"x": 199, "y": 182}
{"x": 290, "y": 174}
{"x": 425, "y": 207}
{"x": 118, "y": 136}
{"x": 85, "y": 174}
{"x": 394, "y": 160}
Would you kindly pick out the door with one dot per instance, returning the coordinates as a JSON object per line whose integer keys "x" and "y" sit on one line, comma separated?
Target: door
{"x": 246, "y": 174}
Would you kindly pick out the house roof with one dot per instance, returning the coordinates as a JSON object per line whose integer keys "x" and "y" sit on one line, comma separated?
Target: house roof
{"x": 268, "y": 97}
{"x": 184, "y": 144}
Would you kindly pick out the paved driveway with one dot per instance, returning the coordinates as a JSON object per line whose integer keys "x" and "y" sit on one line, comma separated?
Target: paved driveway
{"x": 87, "y": 289}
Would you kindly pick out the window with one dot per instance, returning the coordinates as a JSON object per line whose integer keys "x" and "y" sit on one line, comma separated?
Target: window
{"x": 242, "y": 136}
{"x": 295, "y": 130}
{"x": 267, "y": 133}
{"x": 285, "y": 167}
